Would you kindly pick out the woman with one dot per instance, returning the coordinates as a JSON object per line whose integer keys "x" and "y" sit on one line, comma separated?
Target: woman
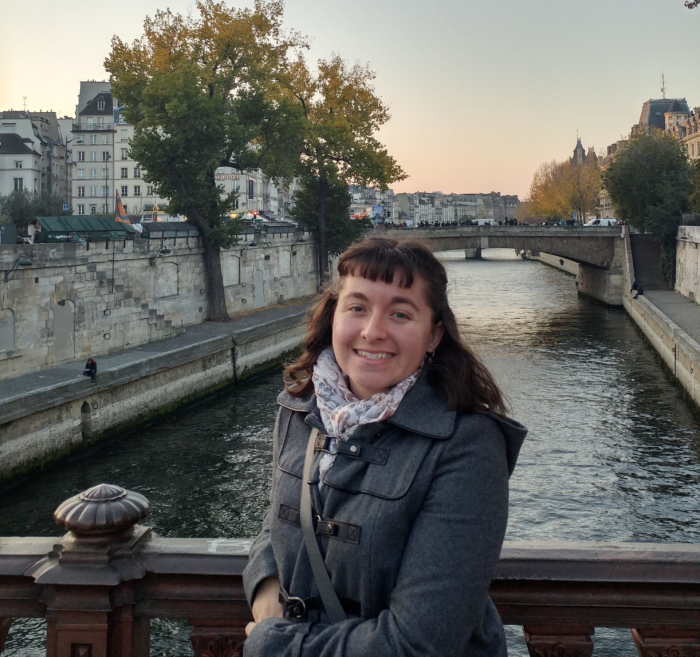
{"x": 409, "y": 480}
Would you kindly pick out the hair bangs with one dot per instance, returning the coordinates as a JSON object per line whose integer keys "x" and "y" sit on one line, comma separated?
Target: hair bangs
{"x": 379, "y": 265}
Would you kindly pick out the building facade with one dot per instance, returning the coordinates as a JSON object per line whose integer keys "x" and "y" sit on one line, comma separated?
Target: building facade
{"x": 33, "y": 154}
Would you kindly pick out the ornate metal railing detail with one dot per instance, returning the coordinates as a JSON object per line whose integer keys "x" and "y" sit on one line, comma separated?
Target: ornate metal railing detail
{"x": 101, "y": 583}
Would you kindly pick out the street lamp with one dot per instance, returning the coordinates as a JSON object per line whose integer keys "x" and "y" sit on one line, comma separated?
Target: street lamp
{"x": 106, "y": 185}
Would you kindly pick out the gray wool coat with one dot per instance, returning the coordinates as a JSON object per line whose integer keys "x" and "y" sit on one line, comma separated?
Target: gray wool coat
{"x": 422, "y": 513}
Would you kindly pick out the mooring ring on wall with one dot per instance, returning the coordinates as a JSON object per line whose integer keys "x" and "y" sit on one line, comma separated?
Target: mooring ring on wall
{"x": 108, "y": 312}
{"x": 106, "y": 336}
{"x": 242, "y": 284}
{"x": 276, "y": 278}
{"x": 95, "y": 405}
{"x": 201, "y": 309}
{"x": 201, "y": 291}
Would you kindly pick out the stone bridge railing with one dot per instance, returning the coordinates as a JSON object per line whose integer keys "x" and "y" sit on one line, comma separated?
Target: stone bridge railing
{"x": 101, "y": 583}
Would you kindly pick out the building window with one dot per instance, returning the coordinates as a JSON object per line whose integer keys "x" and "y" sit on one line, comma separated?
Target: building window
{"x": 125, "y": 190}
{"x": 18, "y": 164}
{"x": 137, "y": 172}
{"x": 100, "y": 122}
{"x": 105, "y": 139}
{"x": 93, "y": 190}
{"x": 104, "y": 172}
{"x": 137, "y": 190}
{"x": 93, "y": 174}
{"x": 81, "y": 191}
{"x": 125, "y": 135}
{"x": 81, "y": 174}
{"x": 93, "y": 209}
{"x": 100, "y": 105}
{"x": 93, "y": 138}
{"x": 105, "y": 156}
{"x": 105, "y": 190}
{"x": 19, "y": 184}
{"x": 81, "y": 209}
{"x": 149, "y": 190}
{"x": 125, "y": 155}
{"x": 81, "y": 156}
{"x": 125, "y": 172}
{"x": 251, "y": 189}
{"x": 80, "y": 139}
{"x": 126, "y": 209}
{"x": 93, "y": 156}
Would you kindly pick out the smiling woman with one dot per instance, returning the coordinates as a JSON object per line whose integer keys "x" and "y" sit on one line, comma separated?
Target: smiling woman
{"x": 391, "y": 457}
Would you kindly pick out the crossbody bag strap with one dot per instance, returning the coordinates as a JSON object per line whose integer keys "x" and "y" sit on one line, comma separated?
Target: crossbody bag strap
{"x": 334, "y": 609}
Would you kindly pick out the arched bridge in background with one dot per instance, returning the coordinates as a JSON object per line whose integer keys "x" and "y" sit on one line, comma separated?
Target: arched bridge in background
{"x": 597, "y": 249}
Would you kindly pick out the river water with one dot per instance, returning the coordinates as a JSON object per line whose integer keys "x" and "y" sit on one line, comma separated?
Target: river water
{"x": 613, "y": 452}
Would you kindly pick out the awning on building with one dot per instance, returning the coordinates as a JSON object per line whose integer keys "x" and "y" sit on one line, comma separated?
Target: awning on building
{"x": 89, "y": 227}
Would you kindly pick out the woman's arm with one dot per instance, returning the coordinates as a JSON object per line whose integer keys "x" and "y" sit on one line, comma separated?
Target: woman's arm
{"x": 449, "y": 560}
{"x": 261, "y": 571}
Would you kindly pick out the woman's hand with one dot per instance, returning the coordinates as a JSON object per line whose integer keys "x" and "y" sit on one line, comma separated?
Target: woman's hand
{"x": 266, "y": 603}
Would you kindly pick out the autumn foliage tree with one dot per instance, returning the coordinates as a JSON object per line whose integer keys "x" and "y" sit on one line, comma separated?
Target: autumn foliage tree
{"x": 341, "y": 114}
{"x": 559, "y": 189}
{"x": 203, "y": 91}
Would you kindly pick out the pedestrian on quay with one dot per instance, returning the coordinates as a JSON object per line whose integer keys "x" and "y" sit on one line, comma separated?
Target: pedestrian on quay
{"x": 90, "y": 369}
{"x": 391, "y": 458}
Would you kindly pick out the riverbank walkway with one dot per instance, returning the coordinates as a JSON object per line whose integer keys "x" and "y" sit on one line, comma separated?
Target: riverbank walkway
{"x": 34, "y": 382}
{"x": 679, "y": 309}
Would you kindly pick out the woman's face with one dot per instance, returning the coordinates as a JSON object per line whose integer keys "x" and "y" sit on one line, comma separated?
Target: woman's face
{"x": 381, "y": 332}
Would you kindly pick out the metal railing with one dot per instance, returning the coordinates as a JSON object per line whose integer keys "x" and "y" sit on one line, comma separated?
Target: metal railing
{"x": 91, "y": 127}
{"x": 101, "y": 583}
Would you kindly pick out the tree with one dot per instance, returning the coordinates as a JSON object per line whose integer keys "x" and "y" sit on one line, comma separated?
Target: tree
{"x": 560, "y": 188}
{"x": 202, "y": 92}
{"x": 695, "y": 182}
{"x": 341, "y": 114}
{"x": 21, "y": 207}
{"x": 649, "y": 183}
{"x": 341, "y": 230}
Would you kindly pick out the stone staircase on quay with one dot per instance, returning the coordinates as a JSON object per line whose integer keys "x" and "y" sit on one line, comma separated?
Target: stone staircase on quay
{"x": 646, "y": 255}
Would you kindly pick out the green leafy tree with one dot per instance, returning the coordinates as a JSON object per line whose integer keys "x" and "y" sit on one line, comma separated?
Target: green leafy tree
{"x": 21, "y": 207}
{"x": 649, "y": 182}
{"x": 341, "y": 114}
{"x": 203, "y": 92}
{"x": 695, "y": 182}
{"x": 341, "y": 230}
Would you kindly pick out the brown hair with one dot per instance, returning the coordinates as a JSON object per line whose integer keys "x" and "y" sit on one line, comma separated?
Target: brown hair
{"x": 456, "y": 372}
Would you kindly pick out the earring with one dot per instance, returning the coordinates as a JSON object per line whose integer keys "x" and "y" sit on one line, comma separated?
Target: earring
{"x": 430, "y": 356}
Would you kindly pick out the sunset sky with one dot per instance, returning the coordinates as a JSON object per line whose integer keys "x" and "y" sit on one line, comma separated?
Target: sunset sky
{"x": 481, "y": 92}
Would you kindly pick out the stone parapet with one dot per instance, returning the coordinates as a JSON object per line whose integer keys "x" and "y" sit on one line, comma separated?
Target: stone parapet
{"x": 77, "y": 301}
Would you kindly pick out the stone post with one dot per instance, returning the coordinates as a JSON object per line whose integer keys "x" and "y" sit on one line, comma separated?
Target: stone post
{"x": 88, "y": 578}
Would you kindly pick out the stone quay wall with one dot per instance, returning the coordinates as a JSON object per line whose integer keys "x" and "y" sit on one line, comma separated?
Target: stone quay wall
{"x": 688, "y": 262}
{"x": 677, "y": 349}
{"x": 76, "y": 300}
{"x": 42, "y": 426}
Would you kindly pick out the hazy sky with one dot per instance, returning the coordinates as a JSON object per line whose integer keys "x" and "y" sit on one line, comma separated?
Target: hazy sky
{"x": 481, "y": 92}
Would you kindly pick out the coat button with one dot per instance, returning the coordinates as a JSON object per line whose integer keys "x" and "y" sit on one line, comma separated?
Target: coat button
{"x": 353, "y": 448}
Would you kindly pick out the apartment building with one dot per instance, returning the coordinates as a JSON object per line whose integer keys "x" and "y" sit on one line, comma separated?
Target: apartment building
{"x": 103, "y": 163}
{"x": 33, "y": 153}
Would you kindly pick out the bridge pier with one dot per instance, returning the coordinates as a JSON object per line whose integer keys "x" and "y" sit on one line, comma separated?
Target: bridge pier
{"x": 473, "y": 254}
{"x": 604, "y": 285}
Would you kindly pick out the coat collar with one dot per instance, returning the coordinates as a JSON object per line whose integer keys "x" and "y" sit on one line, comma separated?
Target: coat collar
{"x": 421, "y": 411}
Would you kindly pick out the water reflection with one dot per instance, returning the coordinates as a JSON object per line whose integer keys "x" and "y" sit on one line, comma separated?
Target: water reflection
{"x": 613, "y": 452}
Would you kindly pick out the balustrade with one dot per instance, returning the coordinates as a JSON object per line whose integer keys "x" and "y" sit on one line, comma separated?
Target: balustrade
{"x": 100, "y": 585}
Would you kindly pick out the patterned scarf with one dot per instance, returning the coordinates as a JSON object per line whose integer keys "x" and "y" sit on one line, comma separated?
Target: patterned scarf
{"x": 341, "y": 412}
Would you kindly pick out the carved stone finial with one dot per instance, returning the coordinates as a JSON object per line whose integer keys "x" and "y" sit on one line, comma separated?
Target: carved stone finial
{"x": 101, "y": 510}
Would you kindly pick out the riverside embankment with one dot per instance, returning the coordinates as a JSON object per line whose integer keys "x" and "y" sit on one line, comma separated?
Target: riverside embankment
{"x": 49, "y": 414}
{"x": 669, "y": 319}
